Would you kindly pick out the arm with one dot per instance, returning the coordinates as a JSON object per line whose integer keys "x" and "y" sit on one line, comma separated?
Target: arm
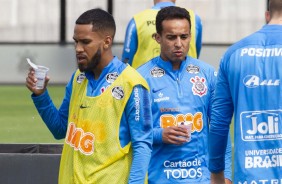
{"x": 56, "y": 120}
{"x": 174, "y": 135}
{"x": 198, "y": 35}
{"x": 140, "y": 126}
{"x": 218, "y": 178}
{"x": 228, "y": 161}
{"x": 221, "y": 115}
{"x": 130, "y": 43}
{"x": 228, "y": 152}
{"x": 169, "y": 135}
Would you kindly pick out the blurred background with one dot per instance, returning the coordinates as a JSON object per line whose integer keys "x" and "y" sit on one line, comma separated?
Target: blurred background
{"x": 42, "y": 30}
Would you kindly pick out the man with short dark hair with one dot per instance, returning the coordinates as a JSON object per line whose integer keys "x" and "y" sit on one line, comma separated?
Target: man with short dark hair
{"x": 248, "y": 85}
{"x": 105, "y": 116}
{"x": 182, "y": 91}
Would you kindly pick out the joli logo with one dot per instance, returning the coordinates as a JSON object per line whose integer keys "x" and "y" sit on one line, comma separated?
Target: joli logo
{"x": 260, "y": 125}
{"x": 269, "y": 127}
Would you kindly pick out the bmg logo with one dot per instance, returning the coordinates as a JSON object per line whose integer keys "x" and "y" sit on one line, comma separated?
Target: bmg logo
{"x": 261, "y": 125}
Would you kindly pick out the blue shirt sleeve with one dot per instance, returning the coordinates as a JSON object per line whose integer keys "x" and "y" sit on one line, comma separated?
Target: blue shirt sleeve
{"x": 158, "y": 135}
{"x": 130, "y": 43}
{"x": 228, "y": 159}
{"x": 221, "y": 116}
{"x": 138, "y": 112}
{"x": 56, "y": 120}
{"x": 198, "y": 35}
{"x": 228, "y": 150}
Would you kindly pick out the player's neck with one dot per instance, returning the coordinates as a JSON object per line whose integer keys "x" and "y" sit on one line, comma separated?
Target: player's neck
{"x": 275, "y": 21}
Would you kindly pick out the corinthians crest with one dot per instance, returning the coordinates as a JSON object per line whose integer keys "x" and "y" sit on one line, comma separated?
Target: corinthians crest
{"x": 199, "y": 87}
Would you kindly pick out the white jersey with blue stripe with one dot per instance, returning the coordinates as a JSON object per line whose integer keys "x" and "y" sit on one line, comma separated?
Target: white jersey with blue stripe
{"x": 249, "y": 85}
{"x": 180, "y": 95}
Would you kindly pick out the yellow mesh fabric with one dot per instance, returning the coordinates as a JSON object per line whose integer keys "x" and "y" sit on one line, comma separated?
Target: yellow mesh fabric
{"x": 92, "y": 152}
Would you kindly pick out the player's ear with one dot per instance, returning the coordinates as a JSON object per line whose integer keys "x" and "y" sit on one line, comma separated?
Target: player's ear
{"x": 158, "y": 38}
{"x": 267, "y": 17}
{"x": 107, "y": 42}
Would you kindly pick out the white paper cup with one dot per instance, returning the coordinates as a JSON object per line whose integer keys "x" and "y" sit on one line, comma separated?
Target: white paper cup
{"x": 40, "y": 75}
{"x": 187, "y": 125}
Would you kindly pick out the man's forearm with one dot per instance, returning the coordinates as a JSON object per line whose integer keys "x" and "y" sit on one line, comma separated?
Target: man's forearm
{"x": 217, "y": 178}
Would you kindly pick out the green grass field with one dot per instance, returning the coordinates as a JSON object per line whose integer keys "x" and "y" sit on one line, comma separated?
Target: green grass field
{"x": 19, "y": 119}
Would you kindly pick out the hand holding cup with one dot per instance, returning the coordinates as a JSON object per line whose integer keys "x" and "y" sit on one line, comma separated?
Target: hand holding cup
{"x": 188, "y": 126}
{"x": 35, "y": 81}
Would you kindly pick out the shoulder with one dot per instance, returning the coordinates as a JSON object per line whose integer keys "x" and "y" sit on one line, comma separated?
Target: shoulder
{"x": 133, "y": 78}
{"x": 145, "y": 69}
{"x": 197, "y": 64}
{"x": 253, "y": 39}
{"x": 202, "y": 69}
{"x": 131, "y": 24}
{"x": 118, "y": 65}
{"x": 198, "y": 18}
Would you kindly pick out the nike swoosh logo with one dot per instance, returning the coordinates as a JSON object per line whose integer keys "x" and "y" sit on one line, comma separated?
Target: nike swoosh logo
{"x": 83, "y": 107}
{"x": 154, "y": 90}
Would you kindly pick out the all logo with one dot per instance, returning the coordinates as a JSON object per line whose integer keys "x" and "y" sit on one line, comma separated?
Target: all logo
{"x": 157, "y": 72}
{"x": 199, "y": 87}
{"x": 261, "y": 125}
{"x": 253, "y": 81}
